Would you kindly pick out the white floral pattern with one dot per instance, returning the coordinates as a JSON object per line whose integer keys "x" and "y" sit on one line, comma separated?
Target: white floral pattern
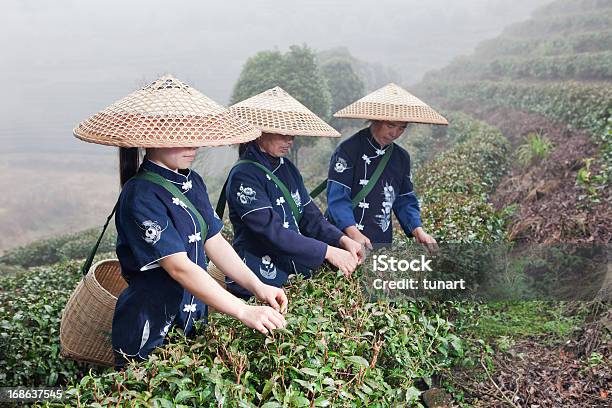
{"x": 341, "y": 165}
{"x": 267, "y": 268}
{"x": 152, "y": 231}
{"x": 195, "y": 237}
{"x": 246, "y": 195}
{"x": 187, "y": 185}
{"x": 384, "y": 219}
{"x": 189, "y": 307}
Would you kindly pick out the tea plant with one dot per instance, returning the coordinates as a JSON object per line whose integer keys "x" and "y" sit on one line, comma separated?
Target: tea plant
{"x": 536, "y": 148}
{"x": 339, "y": 349}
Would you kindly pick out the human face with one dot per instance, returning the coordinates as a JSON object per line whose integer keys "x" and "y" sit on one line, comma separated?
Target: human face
{"x": 386, "y": 132}
{"x": 173, "y": 158}
{"x": 274, "y": 144}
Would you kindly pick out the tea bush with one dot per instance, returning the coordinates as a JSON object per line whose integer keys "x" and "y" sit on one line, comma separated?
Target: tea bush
{"x": 455, "y": 187}
{"x": 30, "y": 313}
{"x": 579, "y": 105}
{"x": 61, "y": 248}
{"x": 339, "y": 349}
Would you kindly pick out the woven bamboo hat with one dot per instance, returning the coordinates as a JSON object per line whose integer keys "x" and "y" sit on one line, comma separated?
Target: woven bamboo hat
{"x": 393, "y": 103}
{"x": 275, "y": 111}
{"x": 166, "y": 113}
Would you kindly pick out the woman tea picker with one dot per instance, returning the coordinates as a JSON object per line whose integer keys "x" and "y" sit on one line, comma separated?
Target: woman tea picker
{"x": 369, "y": 176}
{"x": 278, "y": 230}
{"x": 165, "y": 224}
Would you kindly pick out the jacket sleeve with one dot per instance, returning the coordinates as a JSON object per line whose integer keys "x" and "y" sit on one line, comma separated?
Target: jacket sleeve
{"x": 246, "y": 194}
{"x": 268, "y": 227}
{"x": 406, "y": 206}
{"x": 314, "y": 225}
{"x": 340, "y": 176}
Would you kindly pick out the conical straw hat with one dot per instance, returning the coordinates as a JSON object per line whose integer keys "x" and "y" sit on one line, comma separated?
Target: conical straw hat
{"x": 394, "y": 103}
{"x": 275, "y": 111}
{"x": 166, "y": 113}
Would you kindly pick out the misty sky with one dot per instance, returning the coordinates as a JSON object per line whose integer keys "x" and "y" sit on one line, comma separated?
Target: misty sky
{"x": 64, "y": 60}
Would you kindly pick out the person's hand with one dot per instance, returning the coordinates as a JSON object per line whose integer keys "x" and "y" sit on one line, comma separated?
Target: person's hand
{"x": 422, "y": 237}
{"x": 261, "y": 318}
{"x": 354, "y": 247}
{"x": 358, "y": 237}
{"x": 341, "y": 259}
{"x": 275, "y": 297}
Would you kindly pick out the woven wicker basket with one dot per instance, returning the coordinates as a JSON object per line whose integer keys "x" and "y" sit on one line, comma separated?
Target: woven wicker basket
{"x": 85, "y": 330}
{"x": 219, "y": 277}
{"x": 87, "y": 319}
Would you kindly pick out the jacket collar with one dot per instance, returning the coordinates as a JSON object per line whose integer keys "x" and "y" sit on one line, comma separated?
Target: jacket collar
{"x": 367, "y": 133}
{"x": 183, "y": 176}
{"x": 253, "y": 152}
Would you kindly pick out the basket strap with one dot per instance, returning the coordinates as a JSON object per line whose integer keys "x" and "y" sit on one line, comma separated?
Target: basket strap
{"x": 92, "y": 253}
{"x": 281, "y": 186}
{"x": 368, "y": 187}
{"x": 172, "y": 189}
{"x": 375, "y": 176}
{"x": 318, "y": 189}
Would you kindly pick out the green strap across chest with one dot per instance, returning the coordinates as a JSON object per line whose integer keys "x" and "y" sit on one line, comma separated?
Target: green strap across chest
{"x": 363, "y": 193}
{"x": 281, "y": 186}
{"x": 174, "y": 190}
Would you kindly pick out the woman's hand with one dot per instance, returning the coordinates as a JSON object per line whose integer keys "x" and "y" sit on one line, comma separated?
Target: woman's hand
{"x": 357, "y": 236}
{"x": 343, "y": 260}
{"x": 275, "y": 297}
{"x": 261, "y": 318}
{"x": 354, "y": 247}
{"x": 422, "y": 237}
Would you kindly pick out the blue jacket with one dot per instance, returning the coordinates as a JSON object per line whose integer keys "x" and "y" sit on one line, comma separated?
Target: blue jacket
{"x": 266, "y": 234}
{"x": 350, "y": 167}
{"x": 151, "y": 225}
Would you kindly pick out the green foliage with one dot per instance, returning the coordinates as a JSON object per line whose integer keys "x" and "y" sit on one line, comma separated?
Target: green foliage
{"x": 61, "y": 248}
{"x": 374, "y": 75}
{"x": 556, "y": 45}
{"x": 591, "y": 20}
{"x": 554, "y": 320}
{"x": 339, "y": 349}
{"x": 537, "y": 147}
{"x": 30, "y": 312}
{"x": 297, "y": 72}
{"x": 455, "y": 186}
{"x": 585, "y": 66}
{"x": 579, "y": 105}
{"x": 344, "y": 85}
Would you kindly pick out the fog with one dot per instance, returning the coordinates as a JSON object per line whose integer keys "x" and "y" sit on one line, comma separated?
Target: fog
{"x": 64, "y": 60}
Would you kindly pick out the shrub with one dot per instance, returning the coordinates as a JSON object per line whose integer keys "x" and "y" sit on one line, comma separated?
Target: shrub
{"x": 340, "y": 349}
{"x": 536, "y": 148}
{"x": 61, "y": 248}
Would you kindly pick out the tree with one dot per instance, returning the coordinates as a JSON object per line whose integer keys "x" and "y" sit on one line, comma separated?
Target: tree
{"x": 297, "y": 72}
{"x": 345, "y": 86}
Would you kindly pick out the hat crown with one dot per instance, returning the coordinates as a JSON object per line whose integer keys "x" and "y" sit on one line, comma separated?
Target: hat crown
{"x": 165, "y": 113}
{"x": 276, "y": 111}
{"x": 394, "y": 103}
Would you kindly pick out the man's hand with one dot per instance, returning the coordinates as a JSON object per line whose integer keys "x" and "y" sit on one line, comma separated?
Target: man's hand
{"x": 424, "y": 238}
{"x": 341, "y": 259}
{"x": 354, "y": 247}
{"x": 275, "y": 297}
{"x": 357, "y": 236}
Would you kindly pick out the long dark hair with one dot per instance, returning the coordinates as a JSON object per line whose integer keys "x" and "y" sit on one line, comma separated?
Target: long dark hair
{"x": 129, "y": 161}
{"x": 242, "y": 148}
